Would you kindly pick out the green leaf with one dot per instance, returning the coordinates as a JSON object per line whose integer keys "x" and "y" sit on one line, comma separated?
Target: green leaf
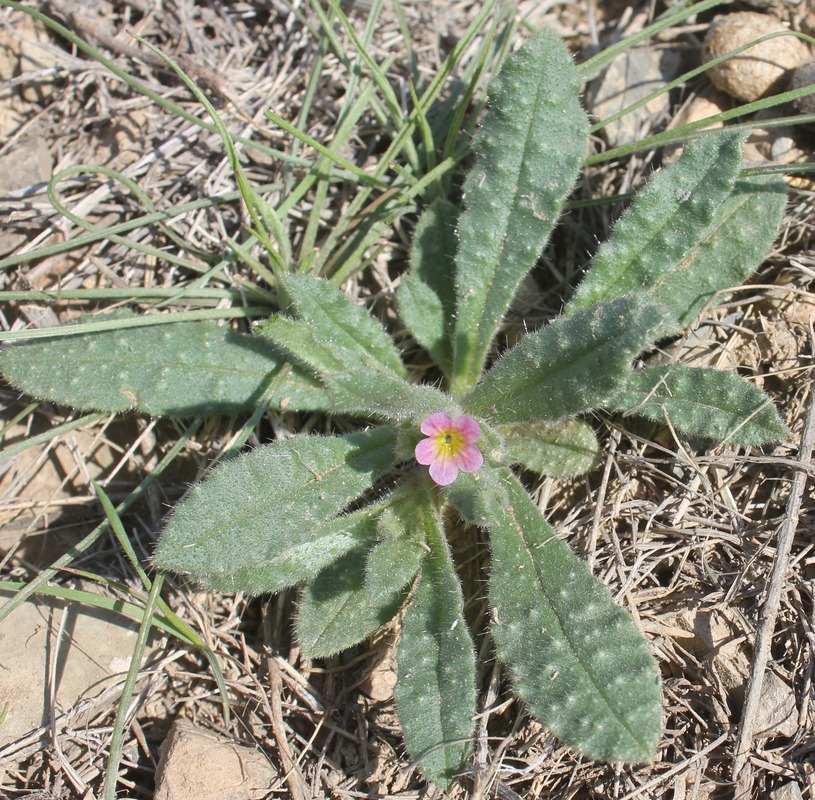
{"x": 300, "y": 341}
{"x": 337, "y": 610}
{"x": 702, "y": 402}
{"x": 435, "y": 687}
{"x": 396, "y": 558}
{"x": 427, "y": 296}
{"x": 433, "y": 252}
{"x": 421, "y": 310}
{"x": 568, "y": 367}
{"x": 383, "y": 395}
{"x": 528, "y": 155}
{"x": 577, "y": 660}
{"x": 561, "y": 449}
{"x": 179, "y": 370}
{"x": 354, "y": 337}
{"x": 692, "y": 232}
{"x": 730, "y": 251}
{"x": 268, "y": 519}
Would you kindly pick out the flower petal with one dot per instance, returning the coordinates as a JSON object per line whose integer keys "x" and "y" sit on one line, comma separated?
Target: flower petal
{"x": 470, "y": 459}
{"x": 435, "y": 423}
{"x": 468, "y": 427}
{"x": 443, "y": 471}
{"x": 426, "y": 451}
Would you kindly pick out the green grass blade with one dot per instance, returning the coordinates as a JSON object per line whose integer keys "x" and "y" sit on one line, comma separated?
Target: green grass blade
{"x": 117, "y": 737}
{"x": 38, "y": 583}
{"x": 264, "y": 217}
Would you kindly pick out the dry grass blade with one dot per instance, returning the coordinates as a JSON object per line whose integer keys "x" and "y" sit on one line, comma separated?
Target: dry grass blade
{"x": 742, "y": 770}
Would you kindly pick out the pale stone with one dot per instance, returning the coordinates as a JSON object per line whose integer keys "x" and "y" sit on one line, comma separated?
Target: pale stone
{"x": 759, "y": 70}
{"x": 38, "y": 56}
{"x": 789, "y": 791}
{"x": 629, "y": 78}
{"x": 197, "y": 765}
{"x": 90, "y": 656}
{"x": 380, "y": 682}
{"x": 26, "y": 165}
{"x": 699, "y": 108}
{"x": 777, "y": 713}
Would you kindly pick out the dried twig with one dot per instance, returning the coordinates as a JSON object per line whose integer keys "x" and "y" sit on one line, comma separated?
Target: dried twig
{"x": 742, "y": 774}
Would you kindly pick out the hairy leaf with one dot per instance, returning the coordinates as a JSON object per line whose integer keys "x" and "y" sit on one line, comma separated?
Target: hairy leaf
{"x": 268, "y": 519}
{"x": 570, "y": 366}
{"x": 337, "y": 610}
{"x": 435, "y": 689}
{"x": 396, "y": 558}
{"x": 578, "y": 660}
{"x": 731, "y": 249}
{"x": 383, "y": 395}
{"x": 667, "y": 218}
{"x": 528, "y": 155}
{"x": 702, "y": 402}
{"x": 427, "y": 296}
{"x": 693, "y": 232}
{"x": 354, "y": 337}
{"x": 299, "y": 340}
{"x": 177, "y": 370}
{"x": 558, "y": 449}
{"x": 426, "y": 318}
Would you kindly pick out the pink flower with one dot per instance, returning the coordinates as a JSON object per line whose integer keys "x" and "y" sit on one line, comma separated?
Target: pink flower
{"x": 449, "y": 446}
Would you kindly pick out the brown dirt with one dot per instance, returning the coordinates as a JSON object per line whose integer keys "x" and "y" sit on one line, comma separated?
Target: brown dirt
{"x": 685, "y": 536}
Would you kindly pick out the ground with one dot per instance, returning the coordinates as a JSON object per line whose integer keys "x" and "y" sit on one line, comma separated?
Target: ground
{"x": 710, "y": 548}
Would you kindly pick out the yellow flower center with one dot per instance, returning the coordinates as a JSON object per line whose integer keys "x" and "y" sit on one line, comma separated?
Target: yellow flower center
{"x": 449, "y": 443}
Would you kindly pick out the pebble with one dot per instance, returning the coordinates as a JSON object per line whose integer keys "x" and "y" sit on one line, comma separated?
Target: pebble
{"x": 698, "y": 108}
{"x": 198, "y": 765}
{"x": 630, "y": 77}
{"x": 760, "y": 70}
{"x": 804, "y": 76}
{"x": 86, "y": 658}
{"x": 787, "y": 791}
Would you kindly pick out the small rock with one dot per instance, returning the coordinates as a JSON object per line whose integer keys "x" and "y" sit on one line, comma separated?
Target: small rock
{"x": 29, "y": 163}
{"x": 93, "y": 652}
{"x": 40, "y": 57}
{"x": 777, "y": 713}
{"x": 773, "y": 144}
{"x": 698, "y": 108}
{"x": 718, "y": 639}
{"x": 804, "y": 76}
{"x": 197, "y": 765}
{"x": 761, "y": 69}
{"x": 789, "y": 791}
{"x": 715, "y": 631}
{"x": 382, "y": 678}
{"x": 121, "y": 141}
{"x": 630, "y": 77}
{"x": 780, "y": 8}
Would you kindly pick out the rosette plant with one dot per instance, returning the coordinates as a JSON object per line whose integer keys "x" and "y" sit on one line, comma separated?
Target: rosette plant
{"x": 359, "y": 520}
